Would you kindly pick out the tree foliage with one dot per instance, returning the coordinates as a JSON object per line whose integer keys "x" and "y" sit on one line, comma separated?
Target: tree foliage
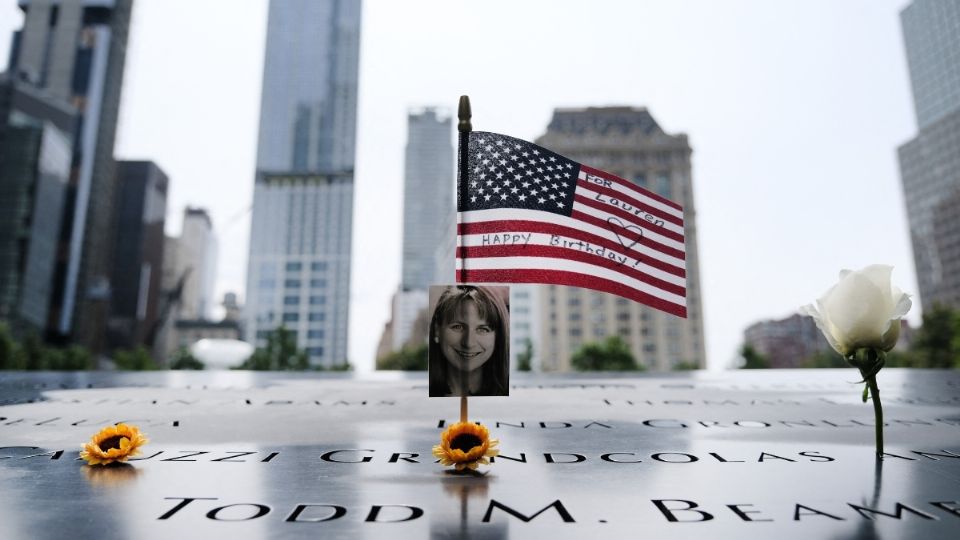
{"x": 685, "y": 366}
{"x": 753, "y": 359}
{"x": 825, "y": 359}
{"x": 525, "y": 357}
{"x": 280, "y": 354}
{"x": 33, "y": 354}
{"x": 182, "y": 359}
{"x": 612, "y": 354}
{"x": 937, "y": 343}
{"x": 134, "y": 360}
{"x": 345, "y": 366}
{"x": 406, "y": 359}
{"x": 8, "y": 348}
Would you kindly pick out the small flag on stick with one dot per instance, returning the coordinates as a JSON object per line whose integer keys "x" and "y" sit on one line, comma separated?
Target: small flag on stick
{"x": 529, "y": 215}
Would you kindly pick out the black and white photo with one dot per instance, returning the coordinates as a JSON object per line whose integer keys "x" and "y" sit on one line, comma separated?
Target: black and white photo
{"x": 469, "y": 341}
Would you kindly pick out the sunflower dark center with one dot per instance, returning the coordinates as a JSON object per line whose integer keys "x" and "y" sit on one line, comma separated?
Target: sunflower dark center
{"x": 465, "y": 442}
{"x": 111, "y": 443}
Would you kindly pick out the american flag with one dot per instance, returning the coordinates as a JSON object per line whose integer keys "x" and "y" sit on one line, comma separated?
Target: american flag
{"x": 530, "y": 215}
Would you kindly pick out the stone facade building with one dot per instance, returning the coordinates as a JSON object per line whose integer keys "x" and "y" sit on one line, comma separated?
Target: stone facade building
{"x": 629, "y": 143}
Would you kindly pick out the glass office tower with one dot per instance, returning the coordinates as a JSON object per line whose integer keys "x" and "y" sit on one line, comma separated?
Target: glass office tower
{"x": 930, "y": 162}
{"x": 298, "y": 273}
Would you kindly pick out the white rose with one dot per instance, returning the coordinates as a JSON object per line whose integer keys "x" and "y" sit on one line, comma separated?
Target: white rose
{"x": 863, "y": 310}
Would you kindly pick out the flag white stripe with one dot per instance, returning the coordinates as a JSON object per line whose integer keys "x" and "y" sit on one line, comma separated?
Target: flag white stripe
{"x": 544, "y": 239}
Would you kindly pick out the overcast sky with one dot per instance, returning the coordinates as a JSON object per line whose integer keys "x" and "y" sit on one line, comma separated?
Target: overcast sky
{"x": 794, "y": 110}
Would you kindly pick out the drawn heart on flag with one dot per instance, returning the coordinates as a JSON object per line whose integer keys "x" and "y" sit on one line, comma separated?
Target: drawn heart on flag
{"x": 621, "y": 238}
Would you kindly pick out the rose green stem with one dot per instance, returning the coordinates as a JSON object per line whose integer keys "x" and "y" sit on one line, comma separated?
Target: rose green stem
{"x": 877, "y": 413}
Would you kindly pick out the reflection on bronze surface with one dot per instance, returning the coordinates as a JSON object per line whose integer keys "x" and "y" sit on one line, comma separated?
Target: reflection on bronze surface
{"x": 112, "y": 475}
{"x": 463, "y": 486}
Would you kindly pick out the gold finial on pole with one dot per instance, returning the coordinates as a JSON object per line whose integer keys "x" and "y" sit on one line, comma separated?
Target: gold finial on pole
{"x": 463, "y": 113}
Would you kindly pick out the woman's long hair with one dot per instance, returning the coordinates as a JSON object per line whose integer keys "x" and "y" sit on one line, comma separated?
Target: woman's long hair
{"x": 491, "y": 308}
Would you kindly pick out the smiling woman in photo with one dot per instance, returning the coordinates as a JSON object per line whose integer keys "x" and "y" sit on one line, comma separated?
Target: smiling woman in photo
{"x": 469, "y": 340}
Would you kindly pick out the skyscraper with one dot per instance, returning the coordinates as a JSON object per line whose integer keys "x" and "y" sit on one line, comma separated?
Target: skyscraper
{"x": 189, "y": 269}
{"x": 930, "y": 162}
{"x": 74, "y": 51}
{"x": 627, "y": 142}
{"x": 138, "y": 254}
{"x": 427, "y": 211}
{"x": 197, "y": 258}
{"x": 36, "y": 141}
{"x": 298, "y": 273}
{"x": 427, "y": 194}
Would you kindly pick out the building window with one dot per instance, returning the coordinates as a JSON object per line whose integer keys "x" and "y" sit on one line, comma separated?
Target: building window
{"x": 291, "y": 283}
{"x": 318, "y": 300}
{"x": 318, "y": 283}
{"x": 623, "y": 316}
{"x": 574, "y": 316}
{"x": 573, "y": 302}
{"x": 291, "y": 300}
{"x": 318, "y": 266}
{"x": 314, "y": 334}
{"x": 650, "y": 348}
{"x": 263, "y": 334}
{"x": 317, "y": 316}
{"x": 575, "y": 332}
{"x": 291, "y": 317}
{"x": 624, "y": 331}
{"x": 294, "y": 267}
{"x": 663, "y": 185}
{"x": 314, "y": 351}
{"x": 640, "y": 179}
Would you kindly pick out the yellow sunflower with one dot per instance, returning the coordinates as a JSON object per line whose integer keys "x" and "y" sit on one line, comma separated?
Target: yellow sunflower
{"x": 466, "y": 445}
{"x": 112, "y": 444}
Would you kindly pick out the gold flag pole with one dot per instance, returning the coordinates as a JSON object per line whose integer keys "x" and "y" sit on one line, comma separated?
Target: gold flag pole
{"x": 464, "y": 127}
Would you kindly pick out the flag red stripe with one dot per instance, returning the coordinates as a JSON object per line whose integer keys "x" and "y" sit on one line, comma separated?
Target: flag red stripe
{"x": 561, "y": 277}
{"x": 623, "y": 214}
{"x": 570, "y": 254}
{"x": 487, "y": 227}
{"x": 631, "y": 185}
{"x": 623, "y": 197}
